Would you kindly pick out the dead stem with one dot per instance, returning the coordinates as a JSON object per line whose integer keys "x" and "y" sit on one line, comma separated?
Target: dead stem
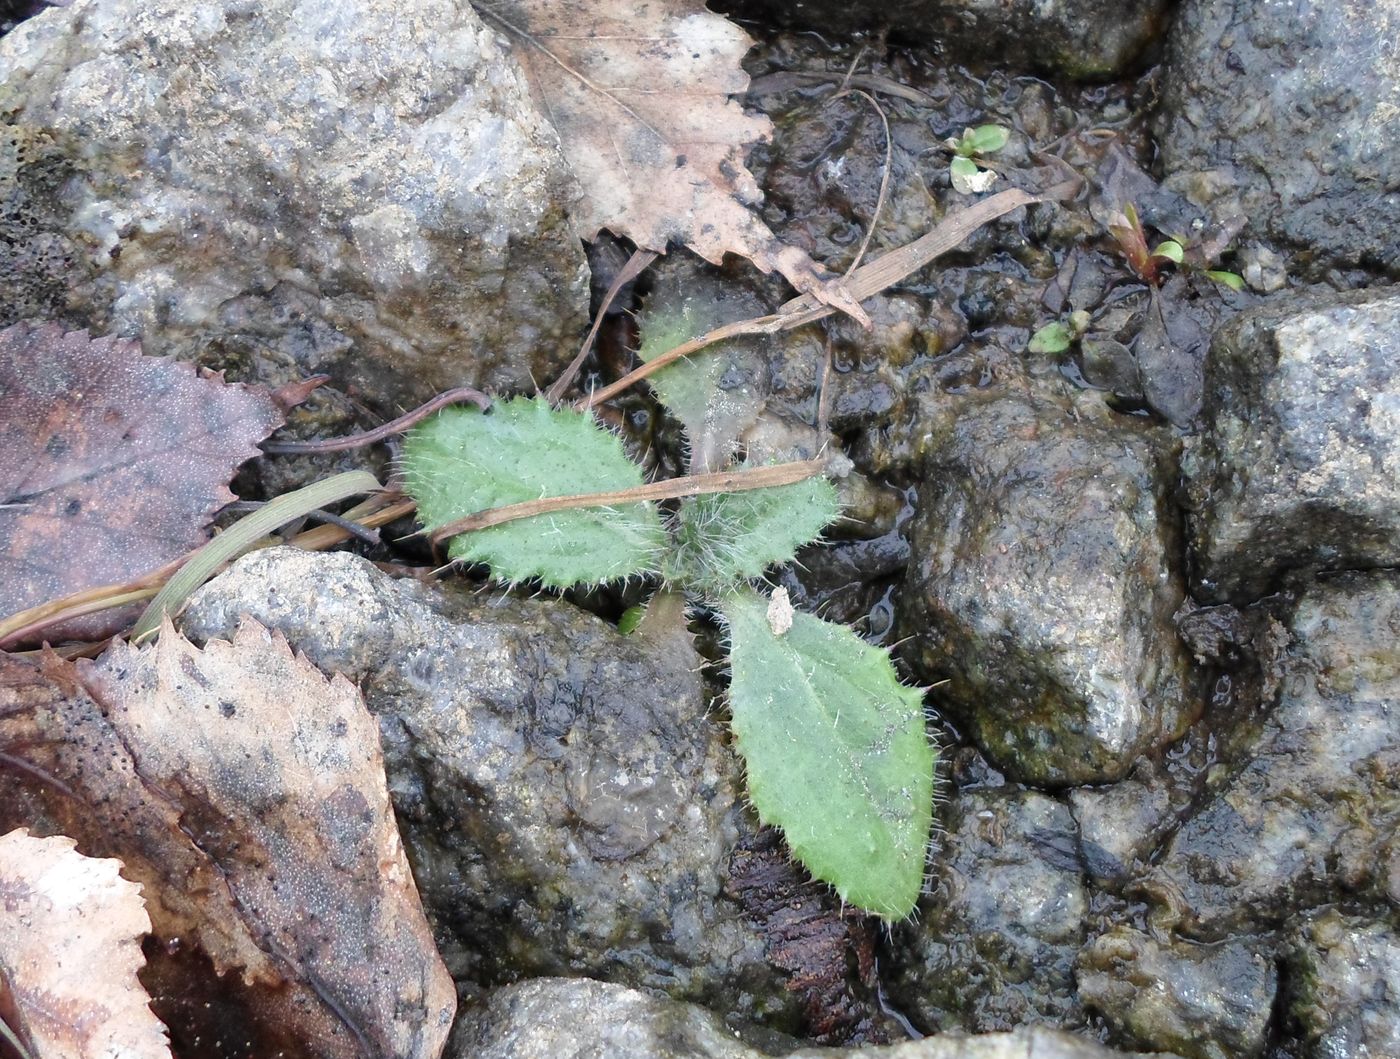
{"x": 736, "y": 481}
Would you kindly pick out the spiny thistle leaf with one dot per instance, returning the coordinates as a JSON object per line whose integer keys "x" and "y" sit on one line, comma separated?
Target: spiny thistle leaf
{"x": 464, "y": 461}
{"x": 724, "y": 538}
{"x": 836, "y": 752}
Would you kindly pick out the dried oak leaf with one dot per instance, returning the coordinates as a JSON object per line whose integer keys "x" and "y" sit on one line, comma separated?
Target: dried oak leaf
{"x": 246, "y": 793}
{"x": 639, "y": 93}
{"x": 111, "y": 463}
{"x": 70, "y": 947}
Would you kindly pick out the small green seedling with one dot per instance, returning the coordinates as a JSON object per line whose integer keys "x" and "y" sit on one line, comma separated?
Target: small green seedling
{"x": 1128, "y": 232}
{"x": 967, "y": 177}
{"x": 1059, "y": 335}
{"x": 835, "y": 747}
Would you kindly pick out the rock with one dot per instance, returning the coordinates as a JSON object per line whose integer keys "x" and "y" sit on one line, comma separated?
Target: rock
{"x": 1344, "y": 973}
{"x": 1308, "y": 811}
{"x": 1284, "y": 113}
{"x": 567, "y": 804}
{"x": 1041, "y": 588}
{"x": 994, "y": 947}
{"x": 1298, "y": 463}
{"x": 579, "y": 1019}
{"x": 285, "y": 188}
{"x": 1200, "y": 1001}
{"x": 1080, "y": 38}
{"x": 1120, "y": 824}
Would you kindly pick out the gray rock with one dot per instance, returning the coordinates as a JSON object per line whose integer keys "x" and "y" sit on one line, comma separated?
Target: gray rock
{"x": 286, "y": 187}
{"x": 994, "y": 947}
{"x": 1285, "y": 113}
{"x": 1344, "y": 991}
{"x": 1120, "y": 824}
{"x": 1298, "y": 464}
{"x": 567, "y": 805}
{"x": 1041, "y": 588}
{"x": 1310, "y": 810}
{"x": 578, "y": 1019}
{"x": 1200, "y": 1001}
{"x": 1081, "y": 38}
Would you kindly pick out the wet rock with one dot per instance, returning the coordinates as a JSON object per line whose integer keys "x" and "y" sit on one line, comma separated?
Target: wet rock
{"x": 567, "y": 806}
{"x": 1284, "y": 112}
{"x": 994, "y": 946}
{"x": 1307, "y": 811}
{"x": 1110, "y": 365}
{"x": 579, "y": 1019}
{"x": 286, "y": 188}
{"x": 1298, "y": 465}
{"x": 1041, "y": 589}
{"x": 1200, "y": 1001}
{"x": 38, "y": 260}
{"x": 1120, "y": 824}
{"x": 1344, "y": 987}
{"x": 1081, "y": 38}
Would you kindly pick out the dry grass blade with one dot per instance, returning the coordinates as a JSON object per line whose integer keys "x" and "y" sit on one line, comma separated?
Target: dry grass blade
{"x": 737, "y": 481}
{"x": 379, "y": 433}
{"x": 376, "y": 511}
{"x": 886, "y": 270}
{"x": 241, "y": 536}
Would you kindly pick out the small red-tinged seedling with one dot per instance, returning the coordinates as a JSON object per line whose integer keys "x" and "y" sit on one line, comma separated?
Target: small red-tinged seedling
{"x": 1148, "y": 264}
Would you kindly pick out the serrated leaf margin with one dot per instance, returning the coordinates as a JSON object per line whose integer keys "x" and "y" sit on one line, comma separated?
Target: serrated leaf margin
{"x": 526, "y": 450}
{"x": 799, "y": 762}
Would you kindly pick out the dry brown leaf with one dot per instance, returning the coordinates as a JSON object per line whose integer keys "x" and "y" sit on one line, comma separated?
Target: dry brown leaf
{"x": 247, "y": 793}
{"x": 70, "y": 947}
{"x": 111, "y": 463}
{"x": 639, "y": 92}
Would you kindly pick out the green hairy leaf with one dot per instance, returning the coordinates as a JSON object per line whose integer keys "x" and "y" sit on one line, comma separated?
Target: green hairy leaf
{"x": 725, "y": 538}
{"x": 836, "y": 752}
{"x": 712, "y": 393}
{"x": 463, "y": 461}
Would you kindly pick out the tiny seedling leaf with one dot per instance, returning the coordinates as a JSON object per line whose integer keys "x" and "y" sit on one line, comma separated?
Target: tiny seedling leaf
{"x": 836, "y": 752}
{"x": 986, "y": 139}
{"x": 1171, "y": 250}
{"x": 712, "y": 393}
{"x": 1052, "y": 338}
{"x": 1233, "y": 280}
{"x": 724, "y": 538}
{"x": 967, "y": 178}
{"x": 464, "y": 461}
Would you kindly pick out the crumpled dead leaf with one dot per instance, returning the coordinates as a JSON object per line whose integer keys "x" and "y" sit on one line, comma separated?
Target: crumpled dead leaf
{"x": 111, "y": 464}
{"x": 246, "y": 793}
{"x": 70, "y": 947}
{"x": 640, "y": 97}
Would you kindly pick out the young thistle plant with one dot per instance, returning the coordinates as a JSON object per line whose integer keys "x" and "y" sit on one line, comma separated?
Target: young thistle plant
{"x": 834, "y": 746}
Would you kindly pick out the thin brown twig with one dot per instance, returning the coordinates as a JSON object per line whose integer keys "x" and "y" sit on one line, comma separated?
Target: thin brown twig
{"x": 768, "y": 84}
{"x": 886, "y": 270}
{"x": 850, "y": 71}
{"x": 824, "y": 391}
{"x": 736, "y": 481}
{"x": 884, "y": 176}
{"x": 394, "y": 426}
{"x": 635, "y": 266}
